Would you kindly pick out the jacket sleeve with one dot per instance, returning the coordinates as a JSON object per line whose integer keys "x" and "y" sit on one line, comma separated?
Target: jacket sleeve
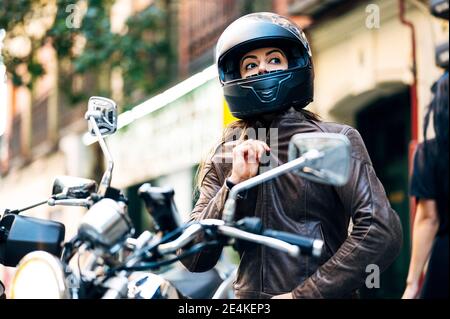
{"x": 213, "y": 195}
{"x": 376, "y": 237}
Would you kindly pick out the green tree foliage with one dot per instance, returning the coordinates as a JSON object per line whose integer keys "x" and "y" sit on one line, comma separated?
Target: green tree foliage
{"x": 13, "y": 17}
{"x": 142, "y": 52}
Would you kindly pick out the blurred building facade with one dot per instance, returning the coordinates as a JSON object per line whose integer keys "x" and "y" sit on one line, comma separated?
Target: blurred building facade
{"x": 364, "y": 77}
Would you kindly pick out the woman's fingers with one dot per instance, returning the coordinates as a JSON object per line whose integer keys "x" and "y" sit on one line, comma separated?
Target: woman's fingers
{"x": 251, "y": 154}
{"x": 238, "y": 156}
{"x": 259, "y": 147}
{"x": 262, "y": 149}
{"x": 247, "y": 154}
{"x": 246, "y": 159}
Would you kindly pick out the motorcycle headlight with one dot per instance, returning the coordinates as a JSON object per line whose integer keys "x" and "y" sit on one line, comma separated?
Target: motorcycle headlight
{"x": 39, "y": 275}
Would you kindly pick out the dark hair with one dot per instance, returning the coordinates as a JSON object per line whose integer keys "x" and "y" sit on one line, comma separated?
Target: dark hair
{"x": 438, "y": 111}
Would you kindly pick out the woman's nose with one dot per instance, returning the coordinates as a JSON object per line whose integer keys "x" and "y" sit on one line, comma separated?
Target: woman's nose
{"x": 262, "y": 68}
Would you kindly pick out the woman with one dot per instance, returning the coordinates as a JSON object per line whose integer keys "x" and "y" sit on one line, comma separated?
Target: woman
{"x": 265, "y": 68}
{"x": 429, "y": 185}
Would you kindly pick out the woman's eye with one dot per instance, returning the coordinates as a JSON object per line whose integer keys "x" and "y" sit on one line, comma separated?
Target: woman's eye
{"x": 250, "y": 66}
{"x": 275, "y": 61}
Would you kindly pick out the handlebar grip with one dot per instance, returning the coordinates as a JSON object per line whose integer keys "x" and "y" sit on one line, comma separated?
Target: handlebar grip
{"x": 308, "y": 246}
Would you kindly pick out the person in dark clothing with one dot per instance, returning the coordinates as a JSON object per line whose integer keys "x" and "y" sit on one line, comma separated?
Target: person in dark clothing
{"x": 429, "y": 185}
{"x": 2, "y": 291}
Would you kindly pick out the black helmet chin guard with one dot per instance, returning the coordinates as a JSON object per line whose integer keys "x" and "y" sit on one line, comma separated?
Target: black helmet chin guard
{"x": 271, "y": 92}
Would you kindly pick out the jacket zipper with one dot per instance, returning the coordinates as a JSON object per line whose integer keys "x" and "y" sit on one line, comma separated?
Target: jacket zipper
{"x": 263, "y": 217}
{"x": 262, "y": 246}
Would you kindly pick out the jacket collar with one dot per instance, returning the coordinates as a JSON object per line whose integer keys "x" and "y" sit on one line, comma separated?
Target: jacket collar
{"x": 276, "y": 119}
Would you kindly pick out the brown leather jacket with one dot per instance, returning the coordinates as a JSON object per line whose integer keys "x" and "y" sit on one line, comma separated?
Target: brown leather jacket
{"x": 292, "y": 204}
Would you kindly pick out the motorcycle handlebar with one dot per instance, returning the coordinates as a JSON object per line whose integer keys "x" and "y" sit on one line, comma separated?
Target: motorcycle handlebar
{"x": 308, "y": 246}
{"x": 260, "y": 239}
{"x": 186, "y": 237}
{"x": 292, "y": 244}
{"x": 292, "y": 248}
{"x": 70, "y": 202}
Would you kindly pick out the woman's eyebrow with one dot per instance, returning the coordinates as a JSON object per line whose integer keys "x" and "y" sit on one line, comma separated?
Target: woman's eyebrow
{"x": 274, "y": 50}
{"x": 248, "y": 57}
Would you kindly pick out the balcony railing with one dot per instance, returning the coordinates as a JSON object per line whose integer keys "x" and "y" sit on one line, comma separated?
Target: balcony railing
{"x": 203, "y": 22}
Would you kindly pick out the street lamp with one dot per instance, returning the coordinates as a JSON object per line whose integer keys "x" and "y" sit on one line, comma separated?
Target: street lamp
{"x": 3, "y": 87}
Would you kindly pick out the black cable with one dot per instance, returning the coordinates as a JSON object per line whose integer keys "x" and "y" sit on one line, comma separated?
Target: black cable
{"x": 70, "y": 249}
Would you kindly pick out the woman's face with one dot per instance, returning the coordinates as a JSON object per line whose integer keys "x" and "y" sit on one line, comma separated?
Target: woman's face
{"x": 262, "y": 61}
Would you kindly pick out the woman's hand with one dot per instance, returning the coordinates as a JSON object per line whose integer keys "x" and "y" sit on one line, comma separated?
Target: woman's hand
{"x": 246, "y": 158}
{"x": 411, "y": 291}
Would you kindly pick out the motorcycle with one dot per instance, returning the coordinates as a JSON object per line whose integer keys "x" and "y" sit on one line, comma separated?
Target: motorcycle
{"x": 103, "y": 261}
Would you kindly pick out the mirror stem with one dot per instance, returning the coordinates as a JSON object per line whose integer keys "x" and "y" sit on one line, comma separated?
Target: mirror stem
{"x": 18, "y": 211}
{"x": 106, "y": 179}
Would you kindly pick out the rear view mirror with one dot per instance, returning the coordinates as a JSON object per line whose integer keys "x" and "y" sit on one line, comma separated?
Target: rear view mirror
{"x": 104, "y": 112}
{"x": 327, "y": 157}
{"x": 102, "y": 119}
{"x": 68, "y": 187}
